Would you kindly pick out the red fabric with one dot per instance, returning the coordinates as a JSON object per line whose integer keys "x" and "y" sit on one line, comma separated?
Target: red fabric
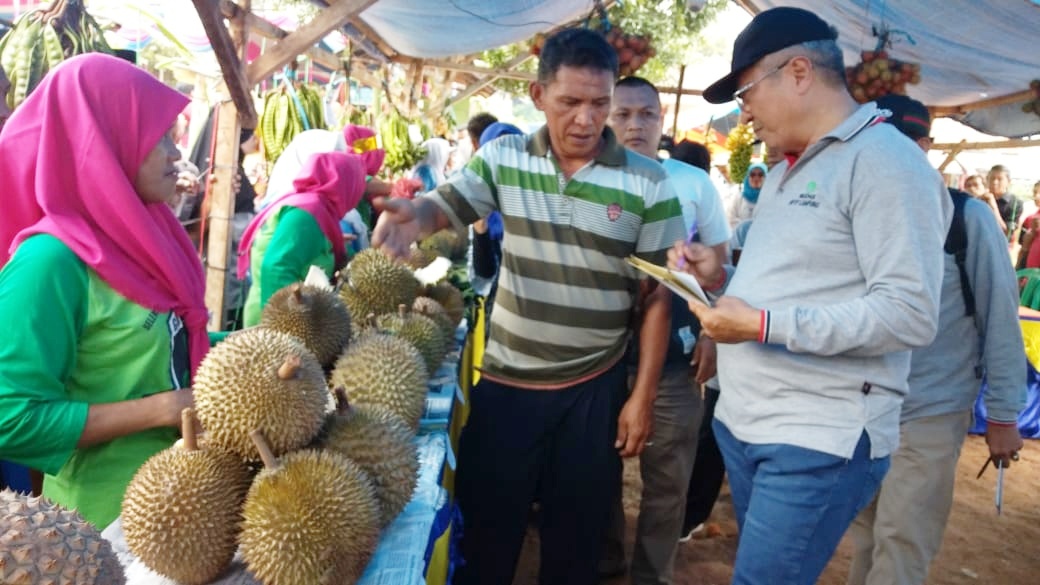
{"x": 1033, "y": 257}
{"x": 69, "y": 157}
{"x": 328, "y": 186}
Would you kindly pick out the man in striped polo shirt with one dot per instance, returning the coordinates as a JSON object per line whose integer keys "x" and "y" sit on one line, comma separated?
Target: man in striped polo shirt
{"x": 547, "y": 419}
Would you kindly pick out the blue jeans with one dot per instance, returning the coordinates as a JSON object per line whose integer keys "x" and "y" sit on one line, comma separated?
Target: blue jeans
{"x": 793, "y": 505}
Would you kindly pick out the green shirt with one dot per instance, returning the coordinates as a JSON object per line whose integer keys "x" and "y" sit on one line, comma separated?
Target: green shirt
{"x": 285, "y": 248}
{"x": 69, "y": 340}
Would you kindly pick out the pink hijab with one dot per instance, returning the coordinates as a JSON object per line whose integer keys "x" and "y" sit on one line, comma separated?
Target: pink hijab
{"x": 362, "y": 142}
{"x": 329, "y": 185}
{"x": 69, "y": 157}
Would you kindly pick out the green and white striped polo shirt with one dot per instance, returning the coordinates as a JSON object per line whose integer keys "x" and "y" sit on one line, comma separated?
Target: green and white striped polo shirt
{"x": 565, "y": 294}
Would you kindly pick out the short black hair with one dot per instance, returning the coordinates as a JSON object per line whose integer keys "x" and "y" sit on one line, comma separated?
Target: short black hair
{"x": 576, "y": 47}
{"x": 693, "y": 153}
{"x": 633, "y": 81}
{"x": 478, "y": 123}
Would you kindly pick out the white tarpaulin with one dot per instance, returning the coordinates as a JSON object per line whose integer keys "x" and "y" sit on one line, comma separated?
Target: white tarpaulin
{"x": 445, "y": 28}
{"x": 969, "y": 50}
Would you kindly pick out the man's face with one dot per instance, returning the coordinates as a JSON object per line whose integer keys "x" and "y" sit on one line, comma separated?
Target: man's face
{"x": 635, "y": 116}
{"x": 576, "y": 103}
{"x": 998, "y": 183}
{"x": 5, "y": 87}
{"x": 766, "y": 104}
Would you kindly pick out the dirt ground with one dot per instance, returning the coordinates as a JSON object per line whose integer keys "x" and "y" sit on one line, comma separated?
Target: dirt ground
{"x": 979, "y": 547}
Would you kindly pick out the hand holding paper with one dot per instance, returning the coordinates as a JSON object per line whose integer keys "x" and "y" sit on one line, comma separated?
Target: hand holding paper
{"x": 696, "y": 260}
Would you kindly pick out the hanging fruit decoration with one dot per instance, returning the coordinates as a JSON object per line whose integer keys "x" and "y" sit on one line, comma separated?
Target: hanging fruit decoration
{"x": 878, "y": 75}
{"x": 740, "y": 143}
{"x": 633, "y": 50}
{"x": 1033, "y": 105}
{"x": 287, "y": 112}
{"x": 44, "y": 37}
{"x": 401, "y": 153}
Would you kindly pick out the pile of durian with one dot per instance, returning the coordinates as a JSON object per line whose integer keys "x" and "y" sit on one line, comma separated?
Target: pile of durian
{"x": 307, "y": 448}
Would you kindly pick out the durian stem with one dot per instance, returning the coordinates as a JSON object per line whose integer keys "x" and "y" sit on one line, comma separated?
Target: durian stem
{"x": 402, "y": 309}
{"x": 188, "y": 429}
{"x": 289, "y": 368}
{"x": 297, "y": 292}
{"x": 342, "y": 405}
{"x": 266, "y": 455}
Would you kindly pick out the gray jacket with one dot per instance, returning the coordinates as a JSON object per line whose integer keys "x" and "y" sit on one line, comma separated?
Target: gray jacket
{"x": 944, "y": 376}
{"x": 845, "y": 257}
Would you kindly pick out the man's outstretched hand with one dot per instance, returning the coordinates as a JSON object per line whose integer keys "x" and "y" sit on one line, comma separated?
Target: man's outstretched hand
{"x": 397, "y": 228}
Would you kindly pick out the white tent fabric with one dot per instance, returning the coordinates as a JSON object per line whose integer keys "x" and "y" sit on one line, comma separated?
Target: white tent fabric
{"x": 968, "y": 50}
{"x": 445, "y": 28}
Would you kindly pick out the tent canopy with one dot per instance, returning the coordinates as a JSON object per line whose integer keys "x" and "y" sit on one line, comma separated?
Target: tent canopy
{"x": 968, "y": 51}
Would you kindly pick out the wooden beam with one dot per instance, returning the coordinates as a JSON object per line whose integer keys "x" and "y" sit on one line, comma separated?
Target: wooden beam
{"x": 676, "y": 90}
{"x": 1011, "y": 143}
{"x": 469, "y": 68}
{"x": 370, "y": 34}
{"x": 240, "y": 30}
{"x": 415, "y": 92}
{"x": 221, "y": 211}
{"x": 950, "y": 156}
{"x": 304, "y": 37}
{"x": 1011, "y": 98}
{"x": 227, "y": 57}
{"x": 269, "y": 30}
{"x": 486, "y": 80}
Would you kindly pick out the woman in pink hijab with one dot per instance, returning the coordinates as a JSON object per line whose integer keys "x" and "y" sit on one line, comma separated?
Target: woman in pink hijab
{"x": 101, "y": 294}
{"x": 300, "y": 229}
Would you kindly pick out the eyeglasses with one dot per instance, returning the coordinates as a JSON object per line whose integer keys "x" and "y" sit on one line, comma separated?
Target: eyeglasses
{"x": 738, "y": 95}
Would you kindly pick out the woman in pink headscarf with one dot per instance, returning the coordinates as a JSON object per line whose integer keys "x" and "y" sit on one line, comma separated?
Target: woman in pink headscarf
{"x": 300, "y": 229}
{"x": 101, "y": 294}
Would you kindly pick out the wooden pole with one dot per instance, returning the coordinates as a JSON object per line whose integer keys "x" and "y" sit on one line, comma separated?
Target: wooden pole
{"x": 963, "y": 145}
{"x": 678, "y": 96}
{"x": 221, "y": 211}
{"x": 227, "y": 57}
{"x": 1012, "y": 98}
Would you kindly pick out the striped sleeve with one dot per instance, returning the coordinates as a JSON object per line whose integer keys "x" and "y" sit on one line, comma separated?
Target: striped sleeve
{"x": 662, "y": 223}
{"x": 471, "y": 193}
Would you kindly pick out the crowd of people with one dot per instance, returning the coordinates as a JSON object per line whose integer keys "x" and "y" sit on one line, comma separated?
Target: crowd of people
{"x": 853, "y": 315}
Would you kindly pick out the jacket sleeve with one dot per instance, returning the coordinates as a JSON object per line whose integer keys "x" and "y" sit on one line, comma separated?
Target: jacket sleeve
{"x": 43, "y": 307}
{"x": 995, "y": 287}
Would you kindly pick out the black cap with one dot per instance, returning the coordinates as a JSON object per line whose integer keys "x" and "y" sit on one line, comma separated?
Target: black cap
{"x": 910, "y": 116}
{"x": 768, "y": 32}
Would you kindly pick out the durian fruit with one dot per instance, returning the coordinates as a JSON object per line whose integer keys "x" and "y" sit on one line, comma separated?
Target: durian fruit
{"x": 181, "y": 511}
{"x": 42, "y": 543}
{"x": 448, "y": 243}
{"x": 420, "y": 258}
{"x": 317, "y": 317}
{"x": 311, "y": 517}
{"x": 434, "y": 310}
{"x": 382, "y": 445}
{"x": 260, "y": 379}
{"x": 384, "y": 371}
{"x": 450, "y": 298}
{"x": 419, "y": 330}
{"x": 376, "y": 283}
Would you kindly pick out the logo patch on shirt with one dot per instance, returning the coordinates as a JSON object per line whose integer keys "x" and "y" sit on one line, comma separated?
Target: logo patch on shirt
{"x": 613, "y": 211}
{"x": 808, "y": 198}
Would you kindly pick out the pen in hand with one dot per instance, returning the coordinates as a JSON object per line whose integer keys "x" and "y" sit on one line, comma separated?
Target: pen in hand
{"x": 689, "y": 240}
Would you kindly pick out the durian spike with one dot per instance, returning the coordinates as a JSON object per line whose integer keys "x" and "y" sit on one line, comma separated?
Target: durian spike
{"x": 297, "y": 292}
{"x": 188, "y": 429}
{"x": 266, "y": 455}
{"x": 371, "y": 320}
{"x": 342, "y": 404}
{"x": 402, "y": 309}
{"x": 289, "y": 367}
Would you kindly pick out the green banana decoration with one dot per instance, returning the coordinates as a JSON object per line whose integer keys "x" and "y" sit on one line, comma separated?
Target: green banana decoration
{"x": 44, "y": 37}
